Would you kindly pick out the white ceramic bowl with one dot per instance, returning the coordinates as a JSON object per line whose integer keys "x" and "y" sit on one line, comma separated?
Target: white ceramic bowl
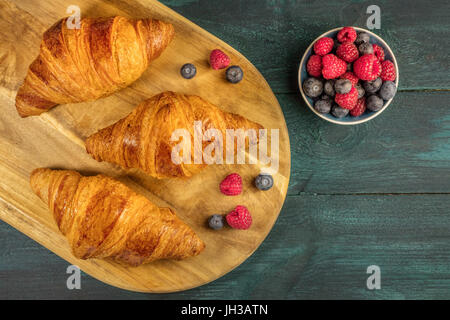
{"x": 348, "y": 120}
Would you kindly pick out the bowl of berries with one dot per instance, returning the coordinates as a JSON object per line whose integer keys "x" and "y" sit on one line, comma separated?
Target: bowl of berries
{"x": 348, "y": 76}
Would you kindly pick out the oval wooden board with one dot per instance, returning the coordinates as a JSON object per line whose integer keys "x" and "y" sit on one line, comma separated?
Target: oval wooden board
{"x": 55, "y": 140}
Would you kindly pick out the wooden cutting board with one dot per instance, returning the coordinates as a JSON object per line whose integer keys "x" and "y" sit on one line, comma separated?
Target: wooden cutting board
{"x": 55, "y": 140}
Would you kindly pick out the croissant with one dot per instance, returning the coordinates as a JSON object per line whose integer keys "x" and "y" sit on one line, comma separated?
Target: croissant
{"x": 102, "y": 218}
{"x": 101, "y": 57}
{"x": 143, "y": 138}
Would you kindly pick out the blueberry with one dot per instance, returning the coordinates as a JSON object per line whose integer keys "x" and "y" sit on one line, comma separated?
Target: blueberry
{"x": 215, "y": 222}
{"x": 323, "y": 106}
{"x": 313, "y": 87}
{"x": 339, "y": 112}
{"x": 362, "y": 37}
{"x": 264, "y": 182}
{"x": 343, "y": 86}
{"x": 365, "y": 48}
{"x": 188, "y": 71}
{"x": 234, "y": 74}
{"x": 374, "y": 103}
{"x": 373, "y": 86}
{"x": 328, "y": 88}
{"x": 388, "y": 90}
{"x": 325, "y": 97}
{"x": 360, "y": 89}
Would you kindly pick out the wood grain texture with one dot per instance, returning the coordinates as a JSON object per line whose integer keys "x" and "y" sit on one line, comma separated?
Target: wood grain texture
{"x": 325, "y": 236}
{"x": 55, "y": 140}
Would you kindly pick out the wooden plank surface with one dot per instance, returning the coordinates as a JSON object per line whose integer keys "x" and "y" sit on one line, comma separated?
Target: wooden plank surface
{"x": 319, "y": 248}
{"x": 404, "y": 150}
{"x": 338, "y": 218}
{"x": 71, "y": 124}
{"x": 274, "y": 34}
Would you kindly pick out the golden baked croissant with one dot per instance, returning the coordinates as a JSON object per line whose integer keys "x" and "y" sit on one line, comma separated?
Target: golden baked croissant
{"x": 143, "y": 138}
{"x": 101, "y": 57}
{"x": 102, "y": 218}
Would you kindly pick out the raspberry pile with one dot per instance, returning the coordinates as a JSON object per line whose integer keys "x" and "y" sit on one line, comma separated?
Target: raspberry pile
{"x": 349, "y": 75}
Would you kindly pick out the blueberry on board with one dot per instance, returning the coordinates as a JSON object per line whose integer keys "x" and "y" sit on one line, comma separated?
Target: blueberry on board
{"x": 323, "y": 106}
{"x": 388, "y": 90}
{"x": 234, "y": 74}
{"x": 264, "y": 182}
{"x": 343, "y": 86}
{"x": 338, "y": 111}
{"x": 363, "y": 37}
{"x": 215, "y": 221}
{"x": 373, "y": 86}
{"x": 313, "y": 87}
{"x": 374, "y": 103}
{"x": 188, "y": 71}
{"x": 328, "y": 88}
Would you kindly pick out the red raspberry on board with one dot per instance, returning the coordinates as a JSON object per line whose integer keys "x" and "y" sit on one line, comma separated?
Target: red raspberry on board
{"x": 231, "y": 185}
{"x": 323, "y": 46}
{"x": 347, "y": 52}
{"x": 219, "y": 60}
{"x": 333, "y": 67}
{"x": 360, "y": 108}
{"x": 239, "y": 218}
{"x": 367, "y": 67}
{"x": 347, "y": 34}
{"x": 350, "y": 76}
{"x": 378, "y": 52}
{"x": 347, "y": 100}
{"x": 388, "y": 71}
{"x": 314, "y": 66}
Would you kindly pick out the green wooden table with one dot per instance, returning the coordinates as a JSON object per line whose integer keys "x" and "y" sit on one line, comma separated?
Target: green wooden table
{"x": 372, "y": 194}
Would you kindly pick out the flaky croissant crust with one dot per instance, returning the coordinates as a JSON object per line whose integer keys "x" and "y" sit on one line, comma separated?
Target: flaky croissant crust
{"x": 143, "y": 138}
{"x": 101, "y": 57}
{"x": 102, "y": 218}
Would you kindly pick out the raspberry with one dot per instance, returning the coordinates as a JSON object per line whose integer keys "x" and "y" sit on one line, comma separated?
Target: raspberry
{"x": 323, "y": 46}
{"x": 347, "y": 100}
{"x": 314, "y": 65}
{"x": 378, "y": 52}
{"x": 350, "y": 76}
{"x": 367, "y": 67}
{"x": 333, "y": 67}
{"x": 231, "y": 185}
{"x": 239, "y": 218}
{"x": 360, "y": 108}
{"x": 347, "y": 52}
{"x": 219, "y": 60}
{"x": 347, "y": 34}
{"x": 388, "y": 71}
